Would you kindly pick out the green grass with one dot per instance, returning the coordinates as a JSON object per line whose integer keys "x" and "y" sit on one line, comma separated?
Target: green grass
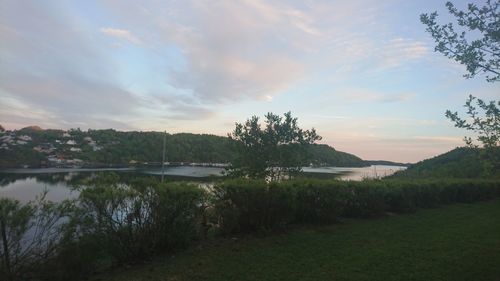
{"x": 456, "y": 242}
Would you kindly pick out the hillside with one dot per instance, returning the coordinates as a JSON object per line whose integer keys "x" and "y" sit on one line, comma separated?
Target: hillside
{"x": 324, "y": 155}
{"x": 462, "y": 162}
{"x": 35, "y": 147}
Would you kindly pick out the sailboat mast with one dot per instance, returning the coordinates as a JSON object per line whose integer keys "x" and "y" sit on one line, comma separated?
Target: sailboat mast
{"x": 163, "y": 158}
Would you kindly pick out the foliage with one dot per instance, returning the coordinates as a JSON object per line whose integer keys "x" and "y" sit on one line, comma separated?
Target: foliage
{"x": 30, "y": 234}
{"x": 318, "y": 201}
{"x": 478, "y": 47}
{"x": 275, "y": 151}
{"x": 135, "y": 221}
{"x": 20, "y": 156}
{"x": 485, "y": 125}
{"x": 252, "y": 205}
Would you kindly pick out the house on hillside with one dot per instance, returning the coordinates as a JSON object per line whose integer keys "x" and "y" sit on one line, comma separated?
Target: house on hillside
{"x": 44, "y": 148}
{"x": 24, "y": 138}
{"x": 7, "y": 139}
{"x": 75, "y": 149}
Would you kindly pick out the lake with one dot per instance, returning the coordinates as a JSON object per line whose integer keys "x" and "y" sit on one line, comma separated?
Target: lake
{"x": 26, "y": 184}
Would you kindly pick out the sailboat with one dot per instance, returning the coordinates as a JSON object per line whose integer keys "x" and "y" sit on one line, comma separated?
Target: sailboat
{"x": 163, "y": 158}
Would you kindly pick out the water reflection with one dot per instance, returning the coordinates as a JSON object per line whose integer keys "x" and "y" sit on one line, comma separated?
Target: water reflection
{"x": 26, "y": 184}
{"x": 357, "y": 174}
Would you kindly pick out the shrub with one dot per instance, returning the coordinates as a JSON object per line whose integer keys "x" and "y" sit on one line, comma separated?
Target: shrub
{"x": 319, "y": 201}
{"x": 30, "y": 234}
{"x": 134, "y": 222}
{"x": 366, "y": 199}
{"x": 252, "y": 205}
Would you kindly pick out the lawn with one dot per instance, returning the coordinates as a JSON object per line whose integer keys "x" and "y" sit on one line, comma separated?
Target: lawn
{"x": 456, "y": 242}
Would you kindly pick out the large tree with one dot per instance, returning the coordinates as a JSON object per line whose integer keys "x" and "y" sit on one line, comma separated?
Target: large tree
{"x": 272, "y": 151}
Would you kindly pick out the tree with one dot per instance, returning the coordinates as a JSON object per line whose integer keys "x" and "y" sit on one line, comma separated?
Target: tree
{"x": 486, "y": 124}
{"x": 479, "y": 55}
{"x": 478, "y": 47}
{"x": 275, "y": 151}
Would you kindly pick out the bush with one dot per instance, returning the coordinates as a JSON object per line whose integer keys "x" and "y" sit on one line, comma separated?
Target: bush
{"x": 134, "y": 222}
{"x": 30, "y": 234}
{"x": 319, "y": 201}
{"x": 252, "y": 205}
{"x": 366, "y": 199}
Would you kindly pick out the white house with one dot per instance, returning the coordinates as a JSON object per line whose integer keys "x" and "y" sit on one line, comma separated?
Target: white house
{"x": 24, "y": 138}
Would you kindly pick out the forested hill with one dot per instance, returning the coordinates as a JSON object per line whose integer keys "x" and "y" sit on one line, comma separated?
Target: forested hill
{"x": 36, "y": 147}
{"x": 460, "y": 162}
{"x": 324, "y": 155}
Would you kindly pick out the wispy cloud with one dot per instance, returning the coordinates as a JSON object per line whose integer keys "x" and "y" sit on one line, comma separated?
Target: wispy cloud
{"x": 368, "y": 96}
{"x": 399, "y": 51}
{"x": 260, "y": 48}
{"x": 121, "y": 34}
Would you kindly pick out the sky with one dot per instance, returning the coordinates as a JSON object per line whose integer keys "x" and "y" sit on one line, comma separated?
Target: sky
{"x": 363, "y": 73}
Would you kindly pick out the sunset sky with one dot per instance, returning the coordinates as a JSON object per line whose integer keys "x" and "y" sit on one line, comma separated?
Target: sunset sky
{"x": 363, "y": 73}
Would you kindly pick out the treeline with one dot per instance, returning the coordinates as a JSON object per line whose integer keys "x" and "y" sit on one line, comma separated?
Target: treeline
{"x": 120, "y": 148}
{"x": 462, "y": 162}
{"x": 112, "y": 224}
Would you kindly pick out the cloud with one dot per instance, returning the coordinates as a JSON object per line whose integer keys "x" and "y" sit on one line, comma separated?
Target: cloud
{"x": 261, "y": 48}
{"x": 121, "y": 34}
{"x": 56, "y": 72}
{"x": 398, "y": 51}
{"x": 233, "y": 57}
{"x": 192, "y": 61}
{"x": 178, "y": 107}
{"x": 367, "y": 96}
{"x": 455, "y": 140}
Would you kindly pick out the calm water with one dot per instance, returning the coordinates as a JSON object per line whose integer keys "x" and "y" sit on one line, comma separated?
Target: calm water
{"x": 26, "y": 184}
